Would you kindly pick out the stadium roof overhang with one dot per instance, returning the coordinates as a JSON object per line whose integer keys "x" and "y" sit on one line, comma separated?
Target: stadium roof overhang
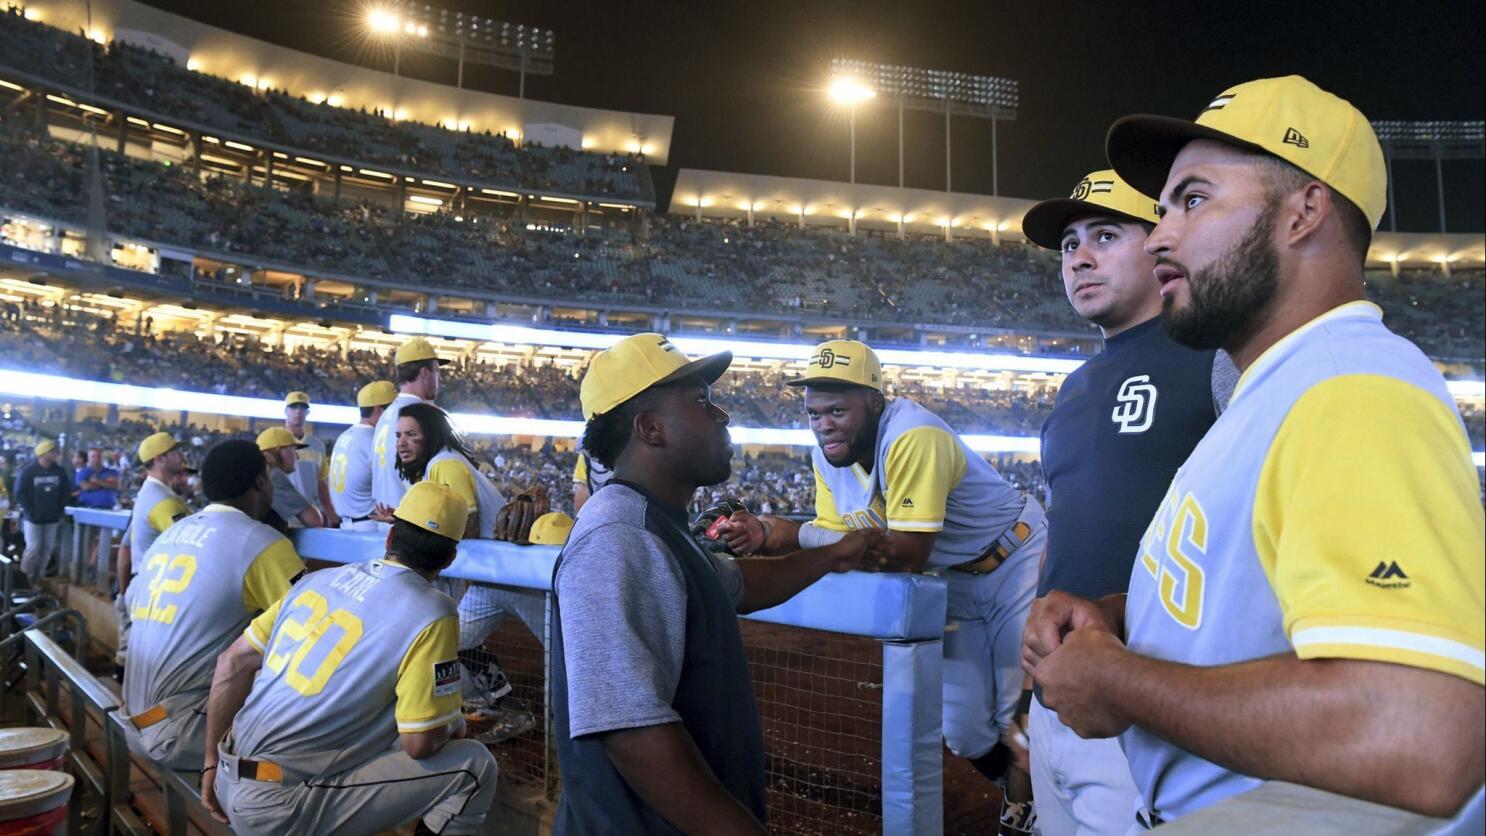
{"x": 243, "y": 59}
{"x": 720, "y": 194}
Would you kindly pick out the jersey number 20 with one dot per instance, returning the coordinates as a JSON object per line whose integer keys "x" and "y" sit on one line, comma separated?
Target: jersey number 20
{"x": 318, "y": 621}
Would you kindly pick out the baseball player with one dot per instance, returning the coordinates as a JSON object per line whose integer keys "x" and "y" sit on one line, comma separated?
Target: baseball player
{"x": 342, "y": 700}
{"x": 1124, "y": 421}
{"x": 294, "y": 508}
{"x": 311, "y": 466}
{"x": 1308, "y": 603}
{"x": 430, "y": 450}
{"x": 200, "y": 583}
{"x": 156, "y": 507}
{"x": 588, "y": 476}
{"x": 417, "y": 375}
{"x": 895, "y": 466}
{"x": 351, "y": 459}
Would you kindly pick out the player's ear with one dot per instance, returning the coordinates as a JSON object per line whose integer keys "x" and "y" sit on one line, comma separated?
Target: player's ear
{"x": 649, "y": 429}
{"x": 875, "y": 402}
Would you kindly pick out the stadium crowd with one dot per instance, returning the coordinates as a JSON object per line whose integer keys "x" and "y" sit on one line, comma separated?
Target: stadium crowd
{"x": 139, "y": 78}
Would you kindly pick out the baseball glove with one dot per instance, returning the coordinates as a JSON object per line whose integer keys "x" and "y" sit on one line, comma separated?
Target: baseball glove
{"x": 513, "y": 521}
{"x": 704, "y": 525}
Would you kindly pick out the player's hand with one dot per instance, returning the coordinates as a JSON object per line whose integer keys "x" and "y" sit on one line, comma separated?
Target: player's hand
{"x": 209, "y": 796}
{"x": 1015, "y": 738}
{"x": 332, "y": 519}
{"x": 859, "y": 549}
{"x": 1054, "y": 617}
{"x": 381, "y": 513}
{"x": 743, "y": 533}
{"x": 1072, "y": 677}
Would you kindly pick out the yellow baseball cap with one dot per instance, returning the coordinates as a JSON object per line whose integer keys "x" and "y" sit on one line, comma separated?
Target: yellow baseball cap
{"x": 435, "y": 508}
{"x": 842, "y": 361}
{"x": 44, "y": 447}
{"x": 551, "y": 529}
{"x": 1290, "y": 118}
{"x": 1100, "y": 193}
{"x": 156, "y": 445}
{"x": 377, "y": 393}
{"x": 275, "y": 437}
{"x": 636, "y": 363}
{"x": 415, "y": 349}
{"x": 294, "y": 398}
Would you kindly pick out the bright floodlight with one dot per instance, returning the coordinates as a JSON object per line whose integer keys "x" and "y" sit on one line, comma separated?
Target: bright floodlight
{"x": 848, "y": 91}
{"x": 381, "y": 20}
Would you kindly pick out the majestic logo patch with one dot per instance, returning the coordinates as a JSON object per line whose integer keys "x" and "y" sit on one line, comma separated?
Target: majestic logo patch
{"x": 1137, "y": 407}
{"x": 1296, "y": 138}
{"x": 1389, "y": 576}
{"x": 907, "y": 503}
{"x": 446, "y": 678}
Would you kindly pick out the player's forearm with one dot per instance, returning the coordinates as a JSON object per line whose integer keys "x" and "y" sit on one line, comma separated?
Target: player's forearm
{"x": 769, "y": 582}
{"x": 326, "y": 502}
{"x": 231, "y": 683}
{"x": 783, "y": 536}
{"x": 662, "y": 765}
{"x": 123, "y": 568}
{"x": 1322, "y": 723}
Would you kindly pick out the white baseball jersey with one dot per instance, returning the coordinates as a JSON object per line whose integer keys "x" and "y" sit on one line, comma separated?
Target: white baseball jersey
{"x": 388, "y": 485}
{"x": 1332, "y": 512}
{"x": 351, "y": 472}
{"x": 925, "y": 479}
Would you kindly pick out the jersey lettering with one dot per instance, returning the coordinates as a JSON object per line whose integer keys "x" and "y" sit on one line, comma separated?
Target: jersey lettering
{"x": 172, "y": 575}
{"x": 1171, "y": 552}
{"x": 308, "y": 632}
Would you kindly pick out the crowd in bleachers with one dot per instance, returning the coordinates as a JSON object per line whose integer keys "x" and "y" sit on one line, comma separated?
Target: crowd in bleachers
{"x": 142, "y": 79}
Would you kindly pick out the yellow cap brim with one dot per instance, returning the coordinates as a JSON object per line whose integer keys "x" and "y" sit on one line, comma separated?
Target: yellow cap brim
{"x": 1141, "y": 148}
{"x": 1044, "y": 223}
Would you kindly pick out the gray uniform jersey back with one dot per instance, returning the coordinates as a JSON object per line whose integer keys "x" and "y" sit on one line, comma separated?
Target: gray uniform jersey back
{"x": 351, "y": 472}
{"x": 156, "y": 508}
{"x": 198, "y": 587}
{"x": 309, "y": 464}
{"x": 328, "y": 697}
{"x": 387, "y": 484}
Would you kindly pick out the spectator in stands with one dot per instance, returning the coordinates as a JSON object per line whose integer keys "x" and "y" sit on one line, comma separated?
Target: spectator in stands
{"x": 201, "y": 582}
{"x": 374, "y": 740}
{"x": 289, "y": 506}
{"x": 654, "y": 713}
{"x": 42, "y": 490}
{"x": 1288, "y": 582}
{"x": 98, "y": 484}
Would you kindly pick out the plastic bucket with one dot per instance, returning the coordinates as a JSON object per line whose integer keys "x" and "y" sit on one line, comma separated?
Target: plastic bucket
{"x": 32, "y": 748}
{"x": 33, "y": 802}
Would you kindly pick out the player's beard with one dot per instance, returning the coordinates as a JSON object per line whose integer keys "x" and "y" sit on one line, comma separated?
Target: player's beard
{"x": 1228, "y": 296}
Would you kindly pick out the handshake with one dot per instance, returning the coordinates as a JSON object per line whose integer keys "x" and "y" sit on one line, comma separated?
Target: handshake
{"x": 729, "y": 527}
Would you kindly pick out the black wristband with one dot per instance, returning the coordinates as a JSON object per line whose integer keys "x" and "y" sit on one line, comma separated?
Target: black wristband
{"x": 1024, "y": 705}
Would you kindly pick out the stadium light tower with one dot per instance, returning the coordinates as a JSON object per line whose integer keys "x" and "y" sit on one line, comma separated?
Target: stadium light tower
{"x": 938, "y": 91}
{"x": 1438, "y": 141}
{"x": 463, "y": 37}
{"x": 850, "y": 92}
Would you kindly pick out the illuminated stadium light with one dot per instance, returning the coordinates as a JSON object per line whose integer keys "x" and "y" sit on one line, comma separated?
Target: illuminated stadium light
{"x": 938, "y": 91}
{"x": 464, "y": 37}
{"x": 752, "y": 349}
{"x": 1466, "y": 388}
{"x": 1435, "y": 131}
{"x": 1436, "y": 140}
{"x": 848, "y": 90}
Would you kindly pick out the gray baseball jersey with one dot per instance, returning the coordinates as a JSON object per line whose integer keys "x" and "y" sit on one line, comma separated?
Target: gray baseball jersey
{"x": 351, "y": 472}
{"x": 201, "y": 582}
{"x": 311, "y": 465}
{"x": 156, "y": 508}
{"x": 352, "y": 656}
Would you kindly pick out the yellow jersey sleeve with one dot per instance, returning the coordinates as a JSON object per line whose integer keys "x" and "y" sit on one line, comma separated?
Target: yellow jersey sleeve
{"x": 1368, "y": 524}
{"x": 826, "y": 515}
{"x": 428, "y": 679}
{"x": 580, "y": 470}
{"x": 166, "y": 512}
{"x": 458, "y": 479}
{"x": 325, "y": 466}
{"x": 261, "y": 628}
{"x": 923, "y": 465}
{"x": 270, "y": 575}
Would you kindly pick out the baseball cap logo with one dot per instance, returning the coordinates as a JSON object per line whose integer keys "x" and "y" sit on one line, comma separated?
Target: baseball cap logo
{"x": 1219, "y": 103}
{"x": 828, "y": 358}
{"x": 666, "y": 344}
{"x": 1081, "y": 191}
{"x": 1296, "y": 138}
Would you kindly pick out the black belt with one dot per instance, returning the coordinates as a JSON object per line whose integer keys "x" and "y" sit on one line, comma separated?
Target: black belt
{"x": 360, "y": 519}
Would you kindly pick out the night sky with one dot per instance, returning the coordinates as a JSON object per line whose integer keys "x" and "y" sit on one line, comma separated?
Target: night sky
{"x": 744, "y": 79}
